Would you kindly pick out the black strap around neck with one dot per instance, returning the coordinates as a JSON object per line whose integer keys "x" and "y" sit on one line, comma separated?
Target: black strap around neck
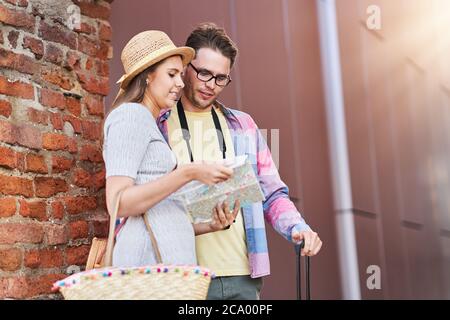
{"x": 187, "y": 135}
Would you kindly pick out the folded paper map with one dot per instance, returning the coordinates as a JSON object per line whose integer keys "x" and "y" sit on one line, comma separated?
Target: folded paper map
{"x": 200, "y": 199}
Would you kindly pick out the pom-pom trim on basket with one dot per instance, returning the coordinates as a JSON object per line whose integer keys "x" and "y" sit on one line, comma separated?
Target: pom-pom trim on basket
{"x": 95, "y": 274}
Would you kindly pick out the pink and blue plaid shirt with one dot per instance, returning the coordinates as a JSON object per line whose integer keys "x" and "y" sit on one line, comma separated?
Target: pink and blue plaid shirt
{"x": 277, "y": 209}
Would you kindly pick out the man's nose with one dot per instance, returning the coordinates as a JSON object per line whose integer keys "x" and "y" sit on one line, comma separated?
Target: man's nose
{"x": 211, "y": 83}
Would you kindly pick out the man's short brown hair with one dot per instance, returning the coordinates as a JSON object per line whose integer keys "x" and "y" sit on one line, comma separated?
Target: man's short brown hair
{"x": 209, "y": 35}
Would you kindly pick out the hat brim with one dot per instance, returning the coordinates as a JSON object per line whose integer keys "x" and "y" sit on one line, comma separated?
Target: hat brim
{"x": 186, "y": 53}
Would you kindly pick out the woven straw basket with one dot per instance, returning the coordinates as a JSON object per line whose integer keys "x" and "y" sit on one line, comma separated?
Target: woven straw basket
{"x": 155, "y": 282}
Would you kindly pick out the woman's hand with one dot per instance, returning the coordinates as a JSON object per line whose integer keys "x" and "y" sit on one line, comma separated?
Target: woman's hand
{"x": 210, "y": 174}
{"x": 223, "y": 217}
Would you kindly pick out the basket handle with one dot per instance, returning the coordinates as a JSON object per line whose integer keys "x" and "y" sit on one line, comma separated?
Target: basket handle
{"x": 111, "y": 234}
{"x": 153, "y": 239}
{"x": 112, "y": 227}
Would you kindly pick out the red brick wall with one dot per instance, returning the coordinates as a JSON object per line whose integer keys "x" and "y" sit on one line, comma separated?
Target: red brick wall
{"x": 53, "y": 79}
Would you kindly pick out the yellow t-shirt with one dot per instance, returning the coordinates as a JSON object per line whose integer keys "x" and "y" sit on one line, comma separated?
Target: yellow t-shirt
{"x": 224, "y": 252}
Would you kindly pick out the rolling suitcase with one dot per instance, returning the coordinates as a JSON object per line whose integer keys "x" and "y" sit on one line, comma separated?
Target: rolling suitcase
{"x": 298, "y": 248}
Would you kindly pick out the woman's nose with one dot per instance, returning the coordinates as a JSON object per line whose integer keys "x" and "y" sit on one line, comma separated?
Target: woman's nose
{"x": 180, "y": 83}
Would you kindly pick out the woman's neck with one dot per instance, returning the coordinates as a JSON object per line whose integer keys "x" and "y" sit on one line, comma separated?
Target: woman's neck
{"x": 148, "y": 102}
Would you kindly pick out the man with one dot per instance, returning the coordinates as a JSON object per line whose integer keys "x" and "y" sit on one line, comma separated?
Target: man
{"x": 200, "y": 128}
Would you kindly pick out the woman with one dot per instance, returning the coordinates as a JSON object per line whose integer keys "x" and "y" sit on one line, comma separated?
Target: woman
{"x": 139, "y": 161}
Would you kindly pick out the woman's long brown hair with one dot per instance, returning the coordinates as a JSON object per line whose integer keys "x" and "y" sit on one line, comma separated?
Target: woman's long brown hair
{"x": 135, "y": 90}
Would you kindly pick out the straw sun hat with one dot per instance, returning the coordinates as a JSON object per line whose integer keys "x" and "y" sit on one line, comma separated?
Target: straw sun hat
{"x": 147, "y": 48}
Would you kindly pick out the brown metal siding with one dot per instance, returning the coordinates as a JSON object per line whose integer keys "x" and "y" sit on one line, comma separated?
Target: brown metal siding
{"x": 396, "y": 84}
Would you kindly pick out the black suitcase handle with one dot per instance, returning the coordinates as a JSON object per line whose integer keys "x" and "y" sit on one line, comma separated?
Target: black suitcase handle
{"x": 298, "y": 250}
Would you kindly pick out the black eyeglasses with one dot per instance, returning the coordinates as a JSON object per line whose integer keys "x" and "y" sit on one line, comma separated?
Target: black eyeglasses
{"x": 222, "y": 80}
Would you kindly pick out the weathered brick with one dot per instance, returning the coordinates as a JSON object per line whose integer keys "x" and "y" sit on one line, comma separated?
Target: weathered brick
{"x": 104, "y": 51}
{"x": 92, "y": 84}
{"x": 17, "y": 18}
{"x": 19, "y": 62}
{"x": 56, "y": 77}
{"x": 55, "y": 141}
{"x": 78, "y": 229}
{"x": 74, "y": 121}
{"x": 73, "y": 106}
{"x": 89, "y": 64}
{"x": 93, "y": 9}
{"x": 104, "y": 32}
{"x": 46, "y": 258}
{"x": 21, "y": 287}
{"x": 86, "y": 28}
{"x": 91, "y": 130}
{"x": 7, "y": 207}
{"x": 16, "y": 88}
{"x": 77, "y": 255}
{"x": 31, "y": 259}
{"x": 37, "y": 116}
{"x": 82, "y": 178}
{"x": 57, "y": 34}
{"x": 43, "y": 284}
{"x": 47, "y": 187}
{"x": 101, "y": 228}
{"x": 35, "y": 163}
{"x": 29, "y": 136}
{"x": 94, "y": 105}
{"x": 102, "y": 68}
{"x": 80, "y": 204}
{"x": 87, "y": 45}
{"x": 98, "y": 179}
{"x": 15, "y": 287}
{"x": 90, "y": 153}
{"x": 72, "y": 61}
{"x": 5, "y": 108}
{"x": 53, "y": 54}
{"x": 35, "y": 209}
{"x": 55, "y": 234}
{"x": 16, "y": 160}
{"x": 51, "y": 98}
{"x": 8, "y": 132}
{"x": 102, "y": 202}
{"x": 16, "y": 186}
{"x": 12, "y": 37}
{"x": 8, "y": 158}
{"x": 20, "y": 161}
{"x": 20, "y": 3}
{"x": 57, "y": 210}
{"x": 56, "y": 120}
{"x": 11, "y": 233}
{"x": 35, "y": 45}
{"x": 22, "y": 134}
{"x": 61, "y": 164}
{"x": 10, "y": 259}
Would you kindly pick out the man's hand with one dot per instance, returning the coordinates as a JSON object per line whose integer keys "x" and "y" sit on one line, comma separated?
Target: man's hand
{"x": 223, "y": 217}
{"x": 311, "y": 239}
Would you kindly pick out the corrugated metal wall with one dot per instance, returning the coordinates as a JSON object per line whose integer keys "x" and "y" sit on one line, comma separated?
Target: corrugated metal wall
{"x": 396, "y": 90}
{"x": 397, "y": 113}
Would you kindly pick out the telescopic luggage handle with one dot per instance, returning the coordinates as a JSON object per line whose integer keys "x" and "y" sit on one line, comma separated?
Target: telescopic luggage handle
{"x": 298, "y": 248}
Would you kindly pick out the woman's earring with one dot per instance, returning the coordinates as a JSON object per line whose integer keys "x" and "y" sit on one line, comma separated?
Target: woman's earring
{"x": 146, "y": 81}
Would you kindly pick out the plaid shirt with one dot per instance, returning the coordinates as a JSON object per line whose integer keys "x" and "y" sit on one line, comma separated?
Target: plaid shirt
{"x": 277, "y": 209}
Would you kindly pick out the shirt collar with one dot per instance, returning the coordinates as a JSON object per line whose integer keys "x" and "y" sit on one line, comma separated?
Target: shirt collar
{"x": 227, "y": 112}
